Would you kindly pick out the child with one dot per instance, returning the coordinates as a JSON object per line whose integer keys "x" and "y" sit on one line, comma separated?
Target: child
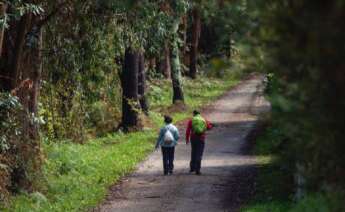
{"x": 167, "y": 139}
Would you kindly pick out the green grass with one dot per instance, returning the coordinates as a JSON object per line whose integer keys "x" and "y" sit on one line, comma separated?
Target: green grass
{"x": 313, "y": 202}
{"x": 77, "y": 176}
{"x": 274, "y": 183}
{"x": 198, "y": 93}
{"x": 275, "y": 188}
{"x": 203, "y": 90}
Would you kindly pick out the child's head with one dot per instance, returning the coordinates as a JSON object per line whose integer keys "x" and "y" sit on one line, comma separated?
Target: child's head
{"x": 167, "y": 119}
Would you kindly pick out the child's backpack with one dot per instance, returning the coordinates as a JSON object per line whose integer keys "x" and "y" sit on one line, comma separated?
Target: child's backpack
{"x": 198, "y": 124}
{"x": 168, "y": 138}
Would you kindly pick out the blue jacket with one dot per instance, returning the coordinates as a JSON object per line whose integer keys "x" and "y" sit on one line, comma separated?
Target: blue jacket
{"x": 173, "y": 130}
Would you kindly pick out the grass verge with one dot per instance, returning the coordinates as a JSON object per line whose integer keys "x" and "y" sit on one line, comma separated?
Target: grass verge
{"x": 275, "y": 187}
{"x": 77, "y": 176}
{"x": 273, "y": 183}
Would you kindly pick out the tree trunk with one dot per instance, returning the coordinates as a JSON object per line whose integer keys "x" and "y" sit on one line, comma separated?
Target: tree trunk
{"x": 195, "y": 43}
{"x": 142, "y": 84}
{"x": 167, "y": 63}
{"x": 163, "y": 62}
{"x": 151, "y": 64}
{"x": 176, "y": 67}
{"x": 21, "y": 74}
{"x": 229, "y": 51}
{"x": 221, "y": 3}
{"x": 3, "y": 8}
{"x": 159, "y": 64}
{"x": 185, "y": 31}
{"x": 129, "y": 83}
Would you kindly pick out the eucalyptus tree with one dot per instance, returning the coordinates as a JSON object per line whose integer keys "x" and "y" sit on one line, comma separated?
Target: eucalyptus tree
{"x": 76, "y": 66}
{"x": 203, "y": 12}
{"x": 223, "y": 23}
{"x": 20, "y": 75}
{"x": 161, "y": 39}
{"x": 214, "y": 24}
{"x": 129, "y": 84}
{"x": 3, "y": 9}
{"x": 149, "y": 25}
{"x": 90, "y": 46}
{"x": 141, "y": 18}
{"x": 144, "y": 104}
{"x": 196, "y": 31}
{"x": 159, "y": 30}
{"x": 163, "y": 63}
{"x": 178, "y": 9}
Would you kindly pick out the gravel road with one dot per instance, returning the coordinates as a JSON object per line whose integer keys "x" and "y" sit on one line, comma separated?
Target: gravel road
{"x": 227, "y": 179}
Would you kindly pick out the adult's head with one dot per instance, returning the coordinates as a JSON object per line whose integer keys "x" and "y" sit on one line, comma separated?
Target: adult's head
{"x": 167, "y": 119}
{"x": 195, "y": 113}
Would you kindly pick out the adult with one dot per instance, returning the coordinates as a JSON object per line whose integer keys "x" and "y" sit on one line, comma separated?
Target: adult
{"x": 196, "y": 135}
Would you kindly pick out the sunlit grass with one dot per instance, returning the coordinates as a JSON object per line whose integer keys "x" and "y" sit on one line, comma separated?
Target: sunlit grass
{"x": 265, "y": 159}
{"x": 198, "y": 92}
{"x": 78, "y": 175}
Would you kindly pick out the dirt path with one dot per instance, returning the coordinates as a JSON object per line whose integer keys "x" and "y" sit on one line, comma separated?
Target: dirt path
{"x": 227, "y": 179}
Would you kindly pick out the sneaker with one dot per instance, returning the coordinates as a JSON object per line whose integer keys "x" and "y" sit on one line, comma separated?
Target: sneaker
{"x": 170, "y": 172}
{"x": 191, "y": 171}
{"x": 198, "y": 173}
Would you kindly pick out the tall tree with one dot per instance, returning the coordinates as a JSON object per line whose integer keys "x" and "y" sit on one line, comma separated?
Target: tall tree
{"x": 178, "y": 95}
{"x": 142, "y": 84}
{"x": 3, "y": 8}
{"x": 20, "y": 74}
{"x": 141, "y": 17}
{"x": 129, "y": 84}
{"x": 163, "y": 62}
{"x": 196, "y": 31}
{"x": 185, "y": 37}
{"x": 179, "y": 8}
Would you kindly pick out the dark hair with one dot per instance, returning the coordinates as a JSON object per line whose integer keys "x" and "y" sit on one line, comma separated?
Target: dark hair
{"x": 195, "y": 112}
{"x": 168, "y": 119}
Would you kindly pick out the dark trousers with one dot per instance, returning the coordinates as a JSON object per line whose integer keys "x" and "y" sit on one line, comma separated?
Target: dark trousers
{"x": 196, "y": 156}
{"x": 168, "y": 159}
